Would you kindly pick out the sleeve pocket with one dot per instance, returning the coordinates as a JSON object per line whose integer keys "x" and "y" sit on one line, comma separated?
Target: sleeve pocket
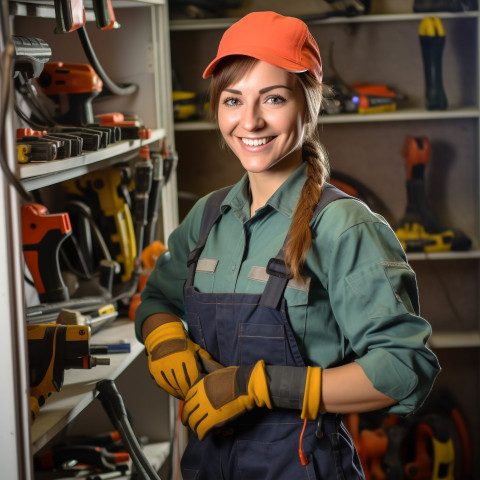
{"x": 386, "y": 289}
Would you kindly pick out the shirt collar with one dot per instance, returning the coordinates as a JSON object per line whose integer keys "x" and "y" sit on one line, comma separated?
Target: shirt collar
{"x": 284, "y": 200}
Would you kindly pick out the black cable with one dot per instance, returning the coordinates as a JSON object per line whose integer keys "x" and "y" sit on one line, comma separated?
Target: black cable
{"x": 23, "y": 116}
{"x": 30, "y": 95}
{"x": 114, "y": 406}
{"x": 5, "y": 102}
{"x": 92, "y": 58}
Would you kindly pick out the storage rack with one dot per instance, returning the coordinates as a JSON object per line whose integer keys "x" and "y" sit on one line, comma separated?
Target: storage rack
{"x": 19, "y": 439}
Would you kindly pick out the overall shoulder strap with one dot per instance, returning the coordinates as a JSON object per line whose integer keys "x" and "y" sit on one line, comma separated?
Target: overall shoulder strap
{"x": 210, "y": 216}
{"x": 279, "y": 274}
{"x": 330, "y": 193}
{"x": 212, "y": 213}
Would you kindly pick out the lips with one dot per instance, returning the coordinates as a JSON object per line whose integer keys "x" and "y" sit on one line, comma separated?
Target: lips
{"x": 256, "y": 142}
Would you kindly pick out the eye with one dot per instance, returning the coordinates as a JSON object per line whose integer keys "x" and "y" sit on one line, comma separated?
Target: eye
{"x": 231, "y": 102}
{"x": 275, "y": 99}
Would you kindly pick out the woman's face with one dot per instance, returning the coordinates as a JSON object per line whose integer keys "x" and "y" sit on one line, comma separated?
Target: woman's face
{"x": 261, "y": 117}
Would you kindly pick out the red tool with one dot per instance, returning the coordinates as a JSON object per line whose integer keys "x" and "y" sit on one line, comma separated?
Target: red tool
{"x": 434, "y": 451}
{"x": 371, "y": 446}
{"x": 131, "y": 129}
{"x": 76, "y": 82}
{"x": 70, "y": 15}
{"x": 43, "y": 233}
{"x": 91, "y": 455}
{"x": 104, "y": 15}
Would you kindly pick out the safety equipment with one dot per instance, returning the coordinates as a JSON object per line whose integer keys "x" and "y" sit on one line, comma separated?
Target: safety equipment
{"x": 284, "y": 42}
{"x": 227, "y": 393}
{"x": 175, "y": 362}
{"x": 224, "y": 395}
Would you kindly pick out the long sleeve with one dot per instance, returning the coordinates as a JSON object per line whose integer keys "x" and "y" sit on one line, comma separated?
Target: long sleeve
{"x": 373, "y": 296}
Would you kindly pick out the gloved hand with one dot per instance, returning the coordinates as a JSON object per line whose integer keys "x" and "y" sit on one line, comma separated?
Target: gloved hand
{"x": 175, "y": 362}
{"x": 225, "y": 394}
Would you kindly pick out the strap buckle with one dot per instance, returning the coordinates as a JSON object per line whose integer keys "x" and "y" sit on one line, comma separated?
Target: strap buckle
{"x": 278, "y": 268}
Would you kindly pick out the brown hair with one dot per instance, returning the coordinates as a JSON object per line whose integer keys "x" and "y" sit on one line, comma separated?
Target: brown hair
{"x": 299, "y": 236}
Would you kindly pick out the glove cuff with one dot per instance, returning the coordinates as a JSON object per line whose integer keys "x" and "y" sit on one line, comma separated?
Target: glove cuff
{"x": 287, "y": 386}
{"x": 313, "y": 393}
{"x": 258, "y": 386}
{"x": 168, "y": 331}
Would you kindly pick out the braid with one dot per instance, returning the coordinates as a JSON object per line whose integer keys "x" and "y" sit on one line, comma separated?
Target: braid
{"x": 300, "y": 235}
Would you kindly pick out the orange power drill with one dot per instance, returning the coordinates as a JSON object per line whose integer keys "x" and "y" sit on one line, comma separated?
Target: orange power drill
{"x": 43, "y": 233}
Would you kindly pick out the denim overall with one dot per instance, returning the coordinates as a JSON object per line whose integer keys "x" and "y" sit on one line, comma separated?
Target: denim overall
{"x": 240, "y": 329}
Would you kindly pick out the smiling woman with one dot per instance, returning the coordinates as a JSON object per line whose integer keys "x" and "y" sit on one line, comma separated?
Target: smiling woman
{"x": 298, "y": 299}
{"x": 264, "y": 126}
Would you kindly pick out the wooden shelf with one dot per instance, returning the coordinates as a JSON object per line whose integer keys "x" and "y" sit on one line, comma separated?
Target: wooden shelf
{"x": 469, "y": 255}
{"x": 406, "y": 115}
{"x": 455, "y": 340}
{"x": 224, "y": 23}
{"x": 78, "y": 390}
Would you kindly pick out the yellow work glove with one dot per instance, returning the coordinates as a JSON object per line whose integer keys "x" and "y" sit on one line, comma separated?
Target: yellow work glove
{"x": 225, "y": 394}
{"x": 175, "y": 362}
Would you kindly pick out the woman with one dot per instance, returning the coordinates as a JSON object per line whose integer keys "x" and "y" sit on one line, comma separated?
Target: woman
{"x": 299, "y": 302}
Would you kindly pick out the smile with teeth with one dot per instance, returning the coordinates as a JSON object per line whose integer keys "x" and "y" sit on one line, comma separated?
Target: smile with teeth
{"x": 255, "y": 142}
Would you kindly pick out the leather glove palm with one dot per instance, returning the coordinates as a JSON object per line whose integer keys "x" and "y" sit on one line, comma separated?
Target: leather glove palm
{"x": 175, "y": 362}
{"x": 225, "y": 394}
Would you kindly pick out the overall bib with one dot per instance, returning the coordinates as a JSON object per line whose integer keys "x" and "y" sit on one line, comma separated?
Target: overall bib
{"x": 240, "y": 329}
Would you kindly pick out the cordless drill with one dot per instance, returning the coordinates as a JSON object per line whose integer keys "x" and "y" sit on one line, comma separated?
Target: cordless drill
{"x": 75, "y": 82}
{"x": 420, "y": 230}
{"x": 106, "y": 193}
{"x": 52, "y": 349}
{"x": 43, "y": 233}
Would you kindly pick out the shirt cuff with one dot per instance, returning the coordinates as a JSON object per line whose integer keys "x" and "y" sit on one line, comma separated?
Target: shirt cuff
{"x": 393, "y": 378}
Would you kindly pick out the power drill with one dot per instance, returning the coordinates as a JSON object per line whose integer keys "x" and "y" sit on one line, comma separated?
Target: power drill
{"x": 43, "y": 233}
{"x": 51, "y": 350}
{"x": 75, "y": 82}
{"x": 107, "y": 195}
{"x": 420, "y": 230}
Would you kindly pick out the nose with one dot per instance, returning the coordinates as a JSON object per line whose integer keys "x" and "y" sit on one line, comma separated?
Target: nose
{"x": 252, "y": 117}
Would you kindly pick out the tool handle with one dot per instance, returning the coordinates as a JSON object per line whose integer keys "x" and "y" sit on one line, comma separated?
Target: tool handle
{"x": 432, "y": 43}
{"x": 104, "y": 14}
{"x": 416, "y": 152}
{"x": 43, "y": 234}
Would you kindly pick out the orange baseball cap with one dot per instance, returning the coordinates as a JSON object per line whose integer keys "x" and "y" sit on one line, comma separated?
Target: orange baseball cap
{"x": 282, "y": 41}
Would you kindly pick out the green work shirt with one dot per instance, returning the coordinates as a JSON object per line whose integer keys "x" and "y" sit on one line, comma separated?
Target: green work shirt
{"x": 359, "y": 302}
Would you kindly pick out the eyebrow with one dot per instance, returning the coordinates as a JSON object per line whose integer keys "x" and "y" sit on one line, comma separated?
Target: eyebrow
{"x": 263, "y": 90}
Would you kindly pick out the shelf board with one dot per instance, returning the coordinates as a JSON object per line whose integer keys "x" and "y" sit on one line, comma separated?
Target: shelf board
{"x": 78, "y": 390}
{"x": 46, "y": 9}
{"x": 224, "y": 23}
{"x": 406, "y": 115}
{"x": 42, "y": 174}
{"x": 469, "y": 255}
{"x": 455, "y": 340}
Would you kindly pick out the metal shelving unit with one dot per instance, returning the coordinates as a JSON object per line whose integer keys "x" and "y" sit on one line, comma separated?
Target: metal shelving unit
{"x": 19, "y": 439}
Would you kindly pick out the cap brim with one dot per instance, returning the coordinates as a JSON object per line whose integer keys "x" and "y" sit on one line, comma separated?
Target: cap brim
{"x": 254, "y": 53}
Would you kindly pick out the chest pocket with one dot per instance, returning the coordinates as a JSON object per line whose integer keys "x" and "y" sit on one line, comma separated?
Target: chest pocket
{"x": 205, "y": 274}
